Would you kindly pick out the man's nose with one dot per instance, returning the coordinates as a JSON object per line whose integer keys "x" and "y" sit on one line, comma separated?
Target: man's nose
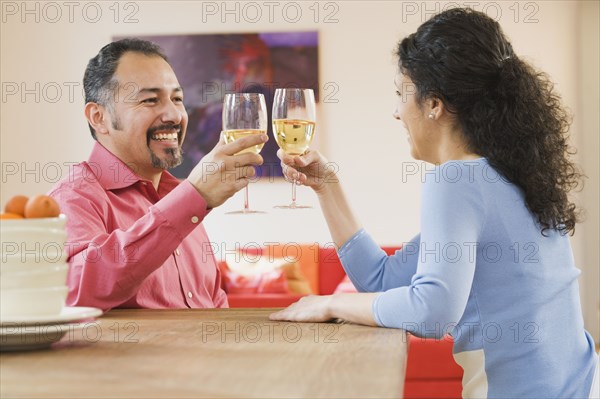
{"x": 395, "y": 114}
{"x": 171, "y": 113}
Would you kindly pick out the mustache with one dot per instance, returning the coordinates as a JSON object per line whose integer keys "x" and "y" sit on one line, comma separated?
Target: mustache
{"x": 166, "y": 126}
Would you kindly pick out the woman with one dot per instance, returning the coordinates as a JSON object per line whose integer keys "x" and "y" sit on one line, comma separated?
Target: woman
{"x": 493, "y": 264}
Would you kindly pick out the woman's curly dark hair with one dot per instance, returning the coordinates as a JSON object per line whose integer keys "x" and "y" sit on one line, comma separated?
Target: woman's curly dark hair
{"x": 508, "y": 111}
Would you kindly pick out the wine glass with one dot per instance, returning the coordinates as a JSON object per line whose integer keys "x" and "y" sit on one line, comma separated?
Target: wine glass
{"x": 294, "y": 117}
{"x": 244, "y": 114}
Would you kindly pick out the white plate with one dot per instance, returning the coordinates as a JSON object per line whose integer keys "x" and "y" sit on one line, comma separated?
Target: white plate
{"x": 68, "y": 314}
{"x": 19, "y": 337}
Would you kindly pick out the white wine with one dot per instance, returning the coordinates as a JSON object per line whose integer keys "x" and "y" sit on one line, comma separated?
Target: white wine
{"x": 293, "y": 135}
{"x": 235, "y": 134}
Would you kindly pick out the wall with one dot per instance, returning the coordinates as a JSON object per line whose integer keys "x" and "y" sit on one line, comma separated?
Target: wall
{"x": 588, "y": 142}
{"x": 357, "y": 131}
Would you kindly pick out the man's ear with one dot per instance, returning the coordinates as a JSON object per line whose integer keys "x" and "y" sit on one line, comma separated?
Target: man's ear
{"x": 97, "y": 118}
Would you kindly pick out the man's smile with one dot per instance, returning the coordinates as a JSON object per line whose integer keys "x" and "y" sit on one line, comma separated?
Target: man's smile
{"x": 167, "y": 134}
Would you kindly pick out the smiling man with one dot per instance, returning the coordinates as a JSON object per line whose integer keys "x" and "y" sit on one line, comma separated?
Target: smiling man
{"x": 135, "y": 232}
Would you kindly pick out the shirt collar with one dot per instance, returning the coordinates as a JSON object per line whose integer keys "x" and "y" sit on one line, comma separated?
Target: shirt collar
{"x": 112, "y": 173}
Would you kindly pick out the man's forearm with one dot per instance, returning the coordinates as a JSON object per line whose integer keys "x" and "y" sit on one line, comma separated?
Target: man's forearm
{"x": 107, "y": 267}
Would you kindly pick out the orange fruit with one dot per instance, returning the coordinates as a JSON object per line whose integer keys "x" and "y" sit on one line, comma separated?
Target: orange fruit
{"x": 9, "y": 215}
{"x": 16, "y": 205}
{"x": 41, "y": 206}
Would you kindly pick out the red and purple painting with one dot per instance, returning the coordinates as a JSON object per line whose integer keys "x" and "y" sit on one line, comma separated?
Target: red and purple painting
{"x": 210, "y": 66}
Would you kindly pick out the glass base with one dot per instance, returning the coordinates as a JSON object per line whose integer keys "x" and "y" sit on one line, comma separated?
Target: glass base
{"x": 293, "y": 206}
{"x": 244, "y": 212}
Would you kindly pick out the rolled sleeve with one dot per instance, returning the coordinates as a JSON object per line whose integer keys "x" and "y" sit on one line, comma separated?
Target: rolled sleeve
{"x": 183, "y": 208}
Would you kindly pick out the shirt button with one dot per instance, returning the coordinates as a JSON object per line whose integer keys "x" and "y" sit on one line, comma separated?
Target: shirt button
{"x": 177, "y": 252}
{"x": 195, "y": 219}
{"x": 190, "y": 294}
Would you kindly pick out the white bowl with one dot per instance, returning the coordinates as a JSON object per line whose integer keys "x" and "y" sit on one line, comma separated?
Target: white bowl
{"x": 50, "y": 276}
{"x": 33, "y": 241}
{"x": 31, "y": 233}
{"x": 53, "y": 223}
{"x": 32, "y": 301}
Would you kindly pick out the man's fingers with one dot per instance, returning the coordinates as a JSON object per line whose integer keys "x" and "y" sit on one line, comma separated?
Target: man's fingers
{"x": 221, "y": 142}
{"x": 240, "y": 184}
{"x": 247, "y": 158}
{"x": 243, "y": 143}
{"x": 246, "y": 171}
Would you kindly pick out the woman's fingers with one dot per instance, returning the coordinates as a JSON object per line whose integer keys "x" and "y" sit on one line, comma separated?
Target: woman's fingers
{"x": 305, "y": 159}
{"x": 277, "y": 315}
{"x": 312, "y": 308}
{"x": 308, "y": 158}
{"x": 292, "y": 174}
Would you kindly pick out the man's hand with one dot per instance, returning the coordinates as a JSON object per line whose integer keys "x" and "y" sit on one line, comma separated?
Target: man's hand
{"x": 221, "y": 173}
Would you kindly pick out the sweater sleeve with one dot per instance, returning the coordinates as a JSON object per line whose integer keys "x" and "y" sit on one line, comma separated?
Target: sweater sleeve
{"x": 452, "y": 216}
{"x": 371, "y": 270}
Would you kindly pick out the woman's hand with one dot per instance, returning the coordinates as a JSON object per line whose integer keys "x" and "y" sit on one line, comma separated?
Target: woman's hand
{"x": 355, "y": 308}
{"x": 310, "y": 169}
{"x": 312, "y": 308}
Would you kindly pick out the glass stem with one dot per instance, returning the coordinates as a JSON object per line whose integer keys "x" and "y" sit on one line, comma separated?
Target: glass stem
{"x": 246, "y": 205}
{"x": 293, "y": 205}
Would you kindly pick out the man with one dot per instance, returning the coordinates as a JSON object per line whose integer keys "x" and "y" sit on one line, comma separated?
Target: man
{"x": 135, "y": 232}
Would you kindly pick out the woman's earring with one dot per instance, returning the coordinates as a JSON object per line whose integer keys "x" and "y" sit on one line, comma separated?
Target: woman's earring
{"x": 431, "y": 115}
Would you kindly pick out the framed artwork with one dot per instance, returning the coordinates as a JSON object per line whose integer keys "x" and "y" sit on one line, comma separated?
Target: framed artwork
{"x": 210, "y": 66}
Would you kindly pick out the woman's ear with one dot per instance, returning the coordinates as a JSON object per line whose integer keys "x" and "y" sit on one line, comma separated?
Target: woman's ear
{"x": 96, "y": 116}
{"x": 435, "y": 108}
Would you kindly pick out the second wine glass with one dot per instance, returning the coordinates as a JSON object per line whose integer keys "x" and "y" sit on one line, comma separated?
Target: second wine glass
{"x": 244, "y": 114}
{"x": 294, "y": 118}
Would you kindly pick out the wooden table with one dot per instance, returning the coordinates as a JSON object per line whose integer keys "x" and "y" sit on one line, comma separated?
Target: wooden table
{"x": 210, "y": 353}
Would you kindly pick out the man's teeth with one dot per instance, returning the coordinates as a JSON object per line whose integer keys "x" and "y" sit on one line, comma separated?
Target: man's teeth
{"x": 167, "y": 136}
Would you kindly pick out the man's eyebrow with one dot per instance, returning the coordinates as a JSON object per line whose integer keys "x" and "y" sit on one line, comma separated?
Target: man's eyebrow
{"x": 157, "y": 90}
